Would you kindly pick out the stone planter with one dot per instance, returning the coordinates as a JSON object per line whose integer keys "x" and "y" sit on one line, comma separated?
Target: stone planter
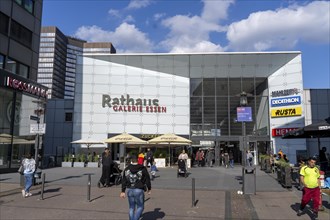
{"x": 79, "y": 164}
{"x": 286, "y": 179}
{"x": 66, "y": 164}
{"x": 268, "y": 167}
{"x": 92, "y": 164}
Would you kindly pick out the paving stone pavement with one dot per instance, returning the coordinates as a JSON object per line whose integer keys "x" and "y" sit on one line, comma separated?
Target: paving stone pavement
{"x": 65, "y": 197}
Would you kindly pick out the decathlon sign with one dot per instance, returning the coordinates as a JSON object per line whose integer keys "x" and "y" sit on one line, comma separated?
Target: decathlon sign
{"x": 293, "y": 100}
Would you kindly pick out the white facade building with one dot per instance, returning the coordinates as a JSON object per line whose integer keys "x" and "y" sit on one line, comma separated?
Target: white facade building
{"x": 193, "y": 95}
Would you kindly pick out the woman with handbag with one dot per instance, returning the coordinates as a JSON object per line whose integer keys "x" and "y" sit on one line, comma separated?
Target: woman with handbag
{"x": 29, "y": 166}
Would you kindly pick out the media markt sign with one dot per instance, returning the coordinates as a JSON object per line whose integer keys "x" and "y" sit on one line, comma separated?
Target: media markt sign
{"x": 286, "y": 112}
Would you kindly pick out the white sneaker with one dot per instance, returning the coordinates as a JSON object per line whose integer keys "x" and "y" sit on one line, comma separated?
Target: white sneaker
{"x": 23, "y": 193}
{"x": 29, "y": 194}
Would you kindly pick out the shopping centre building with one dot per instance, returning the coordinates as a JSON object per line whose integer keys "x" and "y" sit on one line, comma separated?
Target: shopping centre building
{"x": 192, "y": 95}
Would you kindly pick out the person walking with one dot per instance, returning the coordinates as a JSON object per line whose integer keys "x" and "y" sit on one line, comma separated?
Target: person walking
{"x": 310, "y": 179}
{"x": 231, "y": 159}
{"x": 29, "y": 167}
{"x": 107, "y": 165}
{"x": 150, "y": 158}
{"x": 135, "y": 178}
{"x": 323, "y": 159}
{"x": 249, "y": 158}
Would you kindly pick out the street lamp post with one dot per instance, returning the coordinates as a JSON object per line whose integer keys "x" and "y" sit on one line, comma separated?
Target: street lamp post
{"x": 39, "y": 111}
{"x": 243, "y": 102}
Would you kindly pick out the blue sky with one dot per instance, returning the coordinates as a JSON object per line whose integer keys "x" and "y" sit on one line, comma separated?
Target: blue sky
{"x": 179, "y": 26}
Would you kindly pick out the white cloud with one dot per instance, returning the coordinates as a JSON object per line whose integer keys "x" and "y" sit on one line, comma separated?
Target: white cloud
{"x": 114, "y": 13}
{"x": 203, "y": 46}
{"x": 126, "y": 38}
{"x": 129, "y": 19}
{"x": 282, "y": 29}
{"x": 159, "y": 16}
{"x": 192, "y": 33}
{"x": 214, "y": 11}
{"x": 136, "y": 4}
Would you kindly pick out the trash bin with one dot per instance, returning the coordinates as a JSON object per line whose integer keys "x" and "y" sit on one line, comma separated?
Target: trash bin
{"x": 249, "y": 180}
{"x": 37, "y": 177}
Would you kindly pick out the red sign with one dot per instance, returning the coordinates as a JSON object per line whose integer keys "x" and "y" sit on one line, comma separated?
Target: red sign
{"x": 26, "y": 87}
{"x": 277, "y": 132}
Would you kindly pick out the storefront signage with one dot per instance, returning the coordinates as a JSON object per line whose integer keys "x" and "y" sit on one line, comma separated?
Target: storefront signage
{"x": 293, "y": 100}
{"x": 128, "y": 104}
{"x": 286, "y": 112}
{"x": 278, "y": 132}
{"x": 26, "y": 87}
{"x": 285, "y": 92}
{"x": 149, "y": 136}
{"x": 244, "y": 114}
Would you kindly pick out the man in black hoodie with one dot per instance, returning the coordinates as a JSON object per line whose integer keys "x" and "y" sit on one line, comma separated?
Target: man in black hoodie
{"x": 135, "y": 178}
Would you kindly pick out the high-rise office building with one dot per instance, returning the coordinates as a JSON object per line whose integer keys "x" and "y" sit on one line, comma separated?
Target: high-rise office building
{"x": 20, "y": 94}
{"x": 57, "y": 62}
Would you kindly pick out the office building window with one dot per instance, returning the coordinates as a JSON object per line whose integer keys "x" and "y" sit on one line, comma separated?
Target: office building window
{"x": 68, "y": 116}
{"x": 2, "y": 61}
{"x": 4, "y": 21}
{"x": 17, "y": 68}
{"x": 21, "y": 33}
{"x": 26, "y": 4}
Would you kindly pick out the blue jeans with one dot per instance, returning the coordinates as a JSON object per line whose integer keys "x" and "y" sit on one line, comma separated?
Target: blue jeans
{"x": 28, "y": 182}
{"x": 136, "y": 203}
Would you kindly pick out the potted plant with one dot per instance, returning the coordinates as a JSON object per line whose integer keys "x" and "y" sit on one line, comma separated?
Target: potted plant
{"x": 79, "y": 161}
{"x": 92, "y": 161}
{"x": 67, "y": 162}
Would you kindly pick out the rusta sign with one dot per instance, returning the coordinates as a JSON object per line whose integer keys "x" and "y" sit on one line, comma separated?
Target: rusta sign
{"x": 26, "y": 87}
{"x": 286, "y": 112}
{"x": 127, "y": 104}
{"x": 278, "y": 132}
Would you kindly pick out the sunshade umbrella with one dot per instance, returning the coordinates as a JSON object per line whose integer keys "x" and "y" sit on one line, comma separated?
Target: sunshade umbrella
{"x": 170, "y": 139}
{"x": 5, "y": 138}
{"x": 88, "y": 142}
{"x": 315, "y": 130}
{"x": 125, "y": 138}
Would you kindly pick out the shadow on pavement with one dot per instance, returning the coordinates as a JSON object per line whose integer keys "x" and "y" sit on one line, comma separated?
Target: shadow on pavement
{"x": 96, "y": 198}
{"x": 5, "y": 179}
{"x": 240, "y": 179}
{"x": 156, "y": 214}
{"x": 306, "y": 211}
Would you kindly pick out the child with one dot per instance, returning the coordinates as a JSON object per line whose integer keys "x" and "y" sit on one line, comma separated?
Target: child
{"x": 153, "y": 170}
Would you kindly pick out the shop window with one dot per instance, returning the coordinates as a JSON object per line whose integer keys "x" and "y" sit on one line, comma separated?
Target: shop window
{"x": 68, "y": 116}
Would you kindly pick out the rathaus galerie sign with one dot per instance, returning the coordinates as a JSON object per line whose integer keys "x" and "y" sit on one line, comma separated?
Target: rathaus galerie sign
{"x": 128, "y": 104}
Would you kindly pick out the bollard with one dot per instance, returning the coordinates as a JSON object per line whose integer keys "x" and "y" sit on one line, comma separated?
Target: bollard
{"x": 42, "y": 186}
{"x": 193, "y": 192}
{"x": 89, "y": 188}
